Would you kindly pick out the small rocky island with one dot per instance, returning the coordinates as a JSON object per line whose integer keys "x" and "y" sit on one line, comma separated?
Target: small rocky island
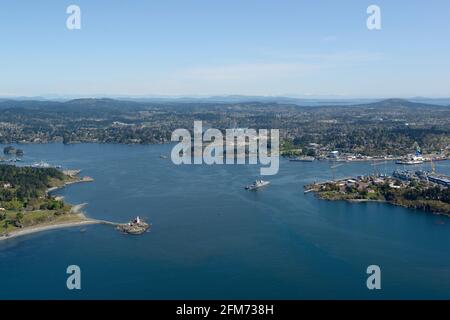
{"x": 11, "y": 151}
{"x": 136, "y": 226}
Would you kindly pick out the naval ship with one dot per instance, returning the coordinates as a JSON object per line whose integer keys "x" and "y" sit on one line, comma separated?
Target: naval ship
{"x": 257, "y": 184}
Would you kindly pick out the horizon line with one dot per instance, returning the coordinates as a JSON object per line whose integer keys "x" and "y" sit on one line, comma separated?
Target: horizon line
{"x": 201, "y": 96}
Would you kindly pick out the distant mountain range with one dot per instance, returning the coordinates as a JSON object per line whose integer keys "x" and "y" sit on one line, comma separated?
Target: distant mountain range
{"x": 390, "y": 103}
{"x": 292, "y": 100}
{"x": 334, "y": 101}
{"x": 86, "y": 104}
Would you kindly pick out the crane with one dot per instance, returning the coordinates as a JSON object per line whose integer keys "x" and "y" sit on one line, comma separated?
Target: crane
{"x": 433, "y": 166}
{"x": 333, "y": 168}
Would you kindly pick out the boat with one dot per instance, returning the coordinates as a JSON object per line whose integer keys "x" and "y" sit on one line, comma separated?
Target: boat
{"x": 257, "y": 184}
{"x": 411, "y": 160}
{"x": 303, "y": 159}
{"x": 41, "y": 164}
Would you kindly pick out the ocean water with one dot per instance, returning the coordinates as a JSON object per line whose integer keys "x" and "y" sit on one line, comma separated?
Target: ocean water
{"x": 211, "y": 239}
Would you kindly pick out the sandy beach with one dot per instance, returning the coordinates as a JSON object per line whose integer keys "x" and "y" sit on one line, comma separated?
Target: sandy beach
{"x": 41, "y": 228}
{"x": 75, "y": 210}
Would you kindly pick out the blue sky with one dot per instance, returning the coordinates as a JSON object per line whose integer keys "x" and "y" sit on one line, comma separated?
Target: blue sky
{"x": 209, "y": 47}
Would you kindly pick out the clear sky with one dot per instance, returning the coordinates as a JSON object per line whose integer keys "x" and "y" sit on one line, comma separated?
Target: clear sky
{"x": 212, "y": 47}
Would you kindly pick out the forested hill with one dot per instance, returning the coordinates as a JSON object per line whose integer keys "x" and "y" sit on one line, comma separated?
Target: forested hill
{"x": 25, "y": 202}
{"x": 24, "y": 183}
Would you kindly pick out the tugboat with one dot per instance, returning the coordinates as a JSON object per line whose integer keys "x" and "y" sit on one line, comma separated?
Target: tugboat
{"x": 257, "y": 184}
{"x": 136, "y": 226}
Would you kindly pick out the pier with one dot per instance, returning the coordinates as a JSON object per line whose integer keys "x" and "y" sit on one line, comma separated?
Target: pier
{"x": 135, "y": 226}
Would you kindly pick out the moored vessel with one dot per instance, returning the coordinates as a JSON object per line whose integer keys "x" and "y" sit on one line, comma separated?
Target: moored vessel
{"x": 411, "y": 160}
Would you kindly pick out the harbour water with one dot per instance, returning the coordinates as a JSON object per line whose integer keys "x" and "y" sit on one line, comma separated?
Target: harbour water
{"x": 212, "y": 239}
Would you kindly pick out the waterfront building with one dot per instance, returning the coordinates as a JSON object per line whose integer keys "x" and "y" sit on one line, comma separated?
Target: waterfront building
{"x": 333, "y": 154}
{"x": 441, "y": 180}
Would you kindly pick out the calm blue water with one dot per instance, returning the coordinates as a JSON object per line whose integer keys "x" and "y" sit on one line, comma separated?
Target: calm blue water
{"x": 212, "y": 239}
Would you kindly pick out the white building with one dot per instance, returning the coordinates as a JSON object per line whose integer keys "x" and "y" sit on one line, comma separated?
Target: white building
{"x": 334, "y": 154}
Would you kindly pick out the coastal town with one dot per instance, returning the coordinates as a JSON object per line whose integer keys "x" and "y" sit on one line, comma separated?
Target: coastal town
{"x": 378, "y": 129}
{"x": 314, "y": 151}
{"x": 423, "y": 190}
{"x": 417, "y": 188}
